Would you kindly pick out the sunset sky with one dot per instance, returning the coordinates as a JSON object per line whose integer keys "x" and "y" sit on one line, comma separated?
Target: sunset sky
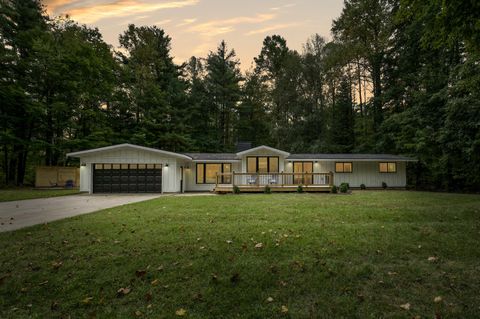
{"x": 197, "y": 26}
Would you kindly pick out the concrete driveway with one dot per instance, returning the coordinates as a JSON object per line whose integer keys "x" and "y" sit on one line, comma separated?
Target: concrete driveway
{"x": 23, "y": 213}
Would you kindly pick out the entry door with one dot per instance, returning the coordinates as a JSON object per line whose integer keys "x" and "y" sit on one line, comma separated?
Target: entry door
{"x": 303, "y": 167}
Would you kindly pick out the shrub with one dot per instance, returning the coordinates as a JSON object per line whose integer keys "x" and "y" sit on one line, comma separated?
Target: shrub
{"x": 333, "y": 190}
{"x": 362, "y": 186}
{"x": 267, "y": 190}
{"x": 384, "y": 185}
{"x": 236, "y": 189}
{"x": 343, "y": 187}
{"x": 300, "y": 189}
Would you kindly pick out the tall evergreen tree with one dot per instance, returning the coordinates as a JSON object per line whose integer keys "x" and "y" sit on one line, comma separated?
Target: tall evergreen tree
{"x": 223, "y": 87}
{"x": 155, "y": 87}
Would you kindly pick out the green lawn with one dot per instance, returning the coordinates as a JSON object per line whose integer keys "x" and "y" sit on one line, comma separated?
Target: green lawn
{"x": 30, "y": 193}
{"x": 365, "y": 255}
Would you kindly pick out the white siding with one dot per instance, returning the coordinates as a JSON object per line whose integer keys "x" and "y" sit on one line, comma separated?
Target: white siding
{"x": 364, "y": 172}
{"x": 170, "y": 180}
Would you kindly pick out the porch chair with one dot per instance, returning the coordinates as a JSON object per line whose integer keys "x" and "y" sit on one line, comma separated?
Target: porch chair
{"x": 251, "y": 180}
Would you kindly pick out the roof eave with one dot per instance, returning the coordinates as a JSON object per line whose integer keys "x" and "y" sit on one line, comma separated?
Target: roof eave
{"x": 138, "y": 147}
{"x": 263, "y": 147}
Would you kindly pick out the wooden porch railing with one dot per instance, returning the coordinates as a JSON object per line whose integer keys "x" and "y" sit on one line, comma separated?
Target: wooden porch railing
{"x": 274, "y": 179}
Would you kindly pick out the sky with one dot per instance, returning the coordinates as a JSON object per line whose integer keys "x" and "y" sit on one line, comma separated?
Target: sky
{"x": 197, "y": 26}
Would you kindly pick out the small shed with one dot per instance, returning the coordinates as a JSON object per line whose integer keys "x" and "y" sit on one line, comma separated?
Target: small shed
{"x": 56, "y": 176}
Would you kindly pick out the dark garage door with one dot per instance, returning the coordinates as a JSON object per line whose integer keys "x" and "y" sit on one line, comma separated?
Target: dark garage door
{"x": 127, "y": 178}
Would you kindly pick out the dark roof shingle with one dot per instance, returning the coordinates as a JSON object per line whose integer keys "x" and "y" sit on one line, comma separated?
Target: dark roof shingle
{"x": 321, "y": 156}
{"x": 213, "y": 156}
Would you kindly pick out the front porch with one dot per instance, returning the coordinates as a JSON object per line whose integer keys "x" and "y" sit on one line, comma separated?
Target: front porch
{"x": 278, "y": 182}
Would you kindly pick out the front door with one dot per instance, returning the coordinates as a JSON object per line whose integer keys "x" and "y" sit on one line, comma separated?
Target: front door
{"x": 303, "y": 167}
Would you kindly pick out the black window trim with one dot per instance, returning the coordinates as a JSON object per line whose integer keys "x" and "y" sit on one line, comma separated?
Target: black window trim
{"x": 204, "y": 182}
{"x": 343, "y": 164}
{"x": 268, "y": 163}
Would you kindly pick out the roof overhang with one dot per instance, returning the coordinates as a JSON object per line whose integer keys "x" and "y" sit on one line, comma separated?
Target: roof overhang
{"x": 216, "y": 161}
{"x": 263, "y": 147}
{"x": 350, "y": 160}
{"x": 128, "y": 146}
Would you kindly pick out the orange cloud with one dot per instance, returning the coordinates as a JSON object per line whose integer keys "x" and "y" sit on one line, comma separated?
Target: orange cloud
{"x": 273, "y": 28}
{"x": 120, "y": 8}
{"x": 217, "y": 27}
{"x": 53, "y": 5}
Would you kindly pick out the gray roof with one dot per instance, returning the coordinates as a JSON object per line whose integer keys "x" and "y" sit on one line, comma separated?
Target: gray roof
{"x": 213, "y": 156}
{"x": 351, "y": 157}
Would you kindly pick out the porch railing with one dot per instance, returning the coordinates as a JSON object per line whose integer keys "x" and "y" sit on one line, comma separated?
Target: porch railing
{"x": 274, "y": 179}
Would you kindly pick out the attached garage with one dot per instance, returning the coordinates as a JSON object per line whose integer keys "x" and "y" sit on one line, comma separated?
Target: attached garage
{"x": 127, "y": 178}
{"x": 128, "y": 168}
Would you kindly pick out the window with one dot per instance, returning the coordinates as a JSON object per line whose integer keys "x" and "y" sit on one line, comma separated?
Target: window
{"x": 387, "y": 167}
{"x": 262, "y": 164}
{"x": 207, "y": 173}
{"x": 343, "y": 167}
{"x": 211, "y": 171}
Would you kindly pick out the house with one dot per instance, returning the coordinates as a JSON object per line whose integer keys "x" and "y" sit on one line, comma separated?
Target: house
{"x": 128, "y": 168}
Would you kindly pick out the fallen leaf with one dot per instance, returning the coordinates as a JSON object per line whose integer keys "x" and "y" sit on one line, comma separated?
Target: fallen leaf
{"x": 437, "y": 299}
{"x": 154, "y": 282}
{"x": 57, "y": 264}
{"x": 54, "y": 305}
{"x": 284, "y": 309}
{"x": 148, "y": 296}
{"x": 123, "y": 291}
{"x": 259, "y": 246}
{"x": 181, "y": 312}
{"x": 235, "y": 278}
{"x": 269, "y": 299}
{"x": 214, "y": 277}
{"x": 392, "y": 273}
{"x": 87, "y": 300}
{"x": 229, "y": 241}
{"x": 432, "y": 258}
{"x": 405, "y": 306}
{"x": 138, "y": 313}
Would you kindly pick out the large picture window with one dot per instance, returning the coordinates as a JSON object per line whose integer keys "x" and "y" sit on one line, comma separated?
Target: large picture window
{"x": 207, "y": 173}
{"x": 262, "y": 164}
{"x": 343, "y": 167}
{"x": 387, "y": 167}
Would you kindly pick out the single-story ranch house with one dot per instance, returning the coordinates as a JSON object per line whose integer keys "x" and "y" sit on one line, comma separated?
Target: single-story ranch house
{"x": 128, "y": 168}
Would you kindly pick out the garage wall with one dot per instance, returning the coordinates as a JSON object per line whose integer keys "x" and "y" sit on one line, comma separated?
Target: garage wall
{"x": 130, "y": 156}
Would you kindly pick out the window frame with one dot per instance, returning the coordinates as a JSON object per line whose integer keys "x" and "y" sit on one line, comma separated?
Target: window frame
{"x": 388, "y": 170}
{"x": 268, "y": 163}
{"x": 343, "y": 166}
{"x": 204, "y": 165}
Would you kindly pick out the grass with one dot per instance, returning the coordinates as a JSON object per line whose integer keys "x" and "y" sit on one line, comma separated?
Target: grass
{"x": 31, "y": 193}
{"x": 362, "y": 255}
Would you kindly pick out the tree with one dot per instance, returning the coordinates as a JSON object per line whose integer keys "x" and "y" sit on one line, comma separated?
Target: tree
{"x": 222, "y": 83}
{"x": 365, "y": 27}
{"x": 155, "y": 88}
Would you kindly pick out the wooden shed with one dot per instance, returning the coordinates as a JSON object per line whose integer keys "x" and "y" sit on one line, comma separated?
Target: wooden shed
{"x": 56, "y": 176}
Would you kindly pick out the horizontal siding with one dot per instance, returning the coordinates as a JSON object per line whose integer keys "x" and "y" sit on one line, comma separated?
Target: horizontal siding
{"x": 364, "y": 172}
